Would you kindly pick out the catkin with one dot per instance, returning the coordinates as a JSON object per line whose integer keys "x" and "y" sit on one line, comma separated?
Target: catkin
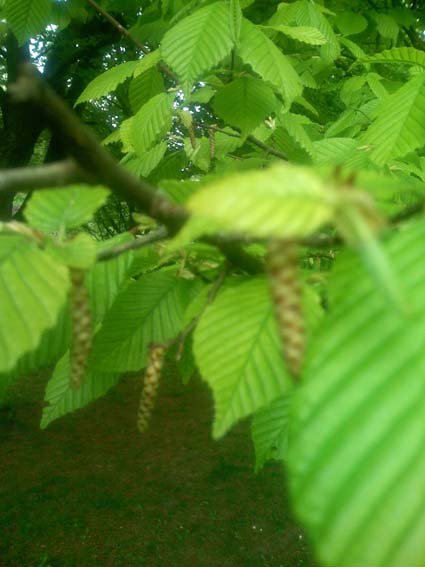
{"x": 191, "y": 130}
{"x": 211, "y": 136}
{"x": 150, "y": 386}
{"x": 81, "y": 339}
{"x": 282, "y": 263}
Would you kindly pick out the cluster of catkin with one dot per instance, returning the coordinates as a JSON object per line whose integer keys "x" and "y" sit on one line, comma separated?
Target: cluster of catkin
{"x": 283, "y": 268}
{"x": 81, "y": 339}
{"x": 150, "y": 386}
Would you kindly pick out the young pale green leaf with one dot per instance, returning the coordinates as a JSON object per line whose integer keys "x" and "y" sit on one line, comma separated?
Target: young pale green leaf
{"x": 406, "y": 55}
{"x": 51, "y": 210}
{"x": 61, "y": 399}
{"x": 151, "y": 122}
{"x": 198, "y": 42}
{"x": 270, "y": 430}
{"x": 269, "y": 62}
{"x": 356, "y": 458}
{"x": 200, "y": 156}
{"x": 305, "y": 34}
{"x": 235, "y": 20}
{"x": 27, "y": 18}
{"x": 399, "y": 127}
{"x": 33, "y": 289}
{"x": 237, "y": 350}
{"x": 283, "y": 201}
{"x": 148, "y": 310}
{"x": 108, "y": 81}
{"x": 245, "y": 103}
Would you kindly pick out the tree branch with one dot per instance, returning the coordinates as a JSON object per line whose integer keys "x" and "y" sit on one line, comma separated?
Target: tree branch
{"x": 100, "y": 167}
{"x": 154, "y": 236}
{"x": 164, "y": 68}
{"x": 57, "y": 174}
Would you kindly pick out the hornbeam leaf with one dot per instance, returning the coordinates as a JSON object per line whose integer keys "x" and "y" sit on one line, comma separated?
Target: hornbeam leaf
{"x": 27, "y": 18}
{"x": 148, "y": 310}
{"x": 108, "y": 81}
{"x": 50, "y": 210}
{"x": 61, "y": 399}
{"x": 406, "y": 55}
{"x": 198, "y": 42}
{"x": 270, "y": 431}
{"x": 151, "y": 122}
{"x": 283, "y": 201}
{"x": 33, "y": 289}
{"x": 399, "y": 127}
{"x": 268, "y": 61}
{"x": 237, "y": 350}
{"x": 245, "y": 103}
{"x": 306, "y": 34}
{"x": 356, "y": 458}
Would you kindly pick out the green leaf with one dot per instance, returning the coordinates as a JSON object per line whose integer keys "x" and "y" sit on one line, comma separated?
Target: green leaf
{"x": 61, "y": 399}
{"x": 151, "y": 122}
{"x": 27, "y": 18}
{"x": 357, "y": 460}
{"x": 283, "y": 201}
{"x": 80, "y": 252}
{"x": 407, "y": 55}
{"x": 270, "y": 431}
{"x": 269, "y": 62}
{"x": 146, "y": 162}
{"x": 350, "y": 23}
{"x": 294, "y": 124}
{"x": 51, "y": 210}
{"x": 106, "y": 279}
{"x": 306, "y": 34}
{"x": 399, "y": 127}
{"x": 200, "y": 156}
{"x": 33, "y": 289}
{"x": 309, "y": 14}
{"x": 147, "y": 62}
{"x": 235, "y": 20}
{"x": 108, "y": 81}
{"x": 387, "y": 27}
{"x": 245, "y": 103}
{"x": 145, "y": 86}
{"x": 238, "y": 352}
{"x": 149, "y": 310}
{"x": 199, "y": 42}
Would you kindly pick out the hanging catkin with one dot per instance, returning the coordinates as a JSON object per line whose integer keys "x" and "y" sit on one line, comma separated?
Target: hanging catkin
{"x": 282, "y": 263}
{"x": 191, "y": 130}
{"x": 81, "y": 339}
{"x": 150, "y": 386}
{"x": 211, "y": 136}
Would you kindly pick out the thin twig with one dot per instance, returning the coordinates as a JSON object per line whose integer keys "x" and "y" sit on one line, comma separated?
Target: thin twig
{"x": 164, "y": 68}
{"x": 181, "y": 339}
{"x": 265, "y": 147}
{"x": 154, "y": 236}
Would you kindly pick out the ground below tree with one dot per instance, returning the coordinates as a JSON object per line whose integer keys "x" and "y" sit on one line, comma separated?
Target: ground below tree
{"x": 90, "y": 491}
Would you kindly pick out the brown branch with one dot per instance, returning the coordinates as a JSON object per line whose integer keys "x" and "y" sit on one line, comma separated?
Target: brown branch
{"x": 57, "y": 174}
{"x": 164, "y": 68}
{"x": 84, "y": 147}
{"x": 154, "y": 236}
{"x": 100, "y": 167}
